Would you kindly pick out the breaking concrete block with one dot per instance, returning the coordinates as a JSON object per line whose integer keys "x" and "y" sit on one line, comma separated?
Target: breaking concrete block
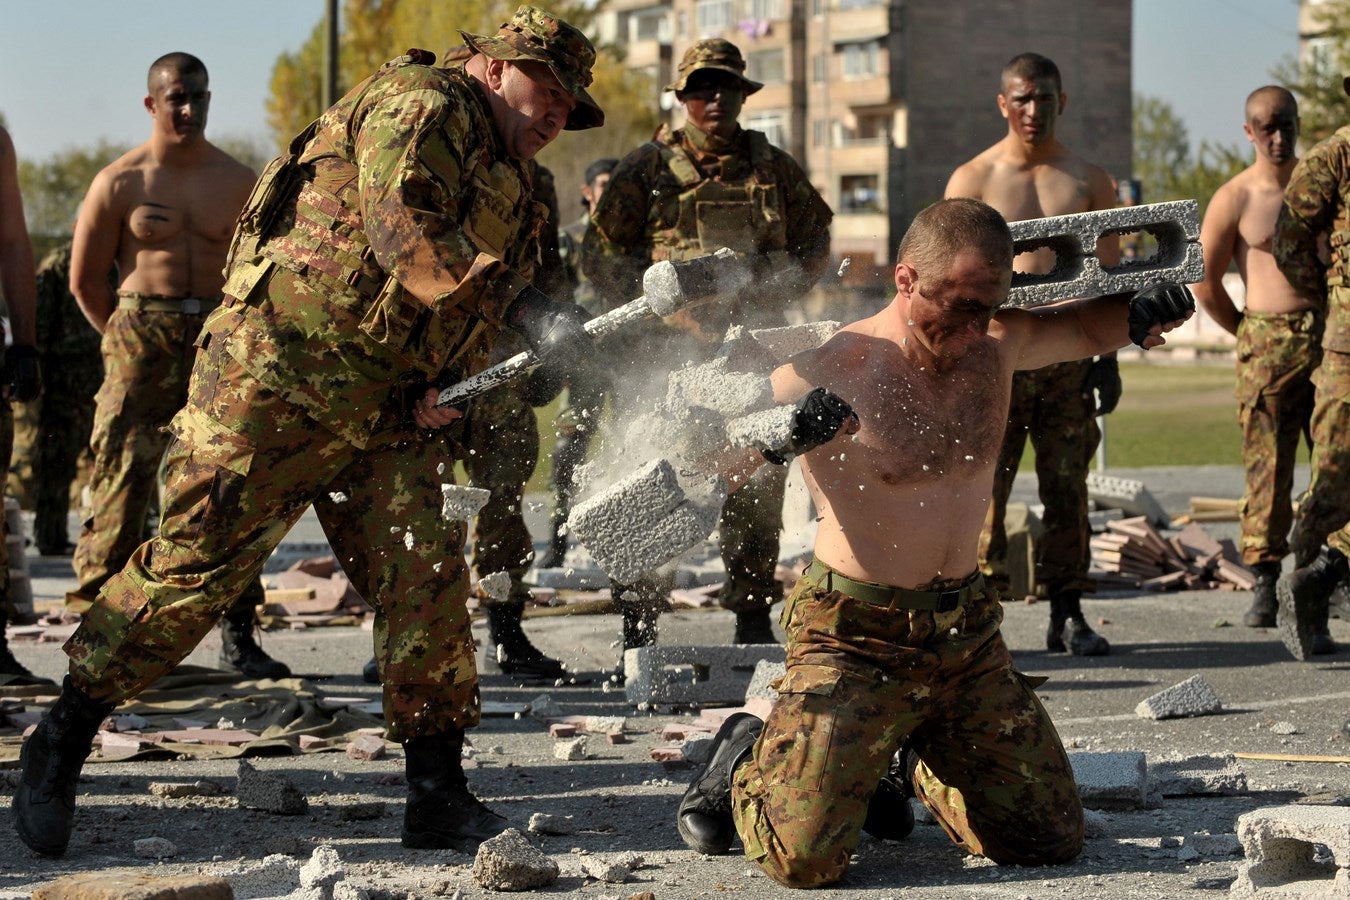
{"x": 177, "y": 790}
{"x": 767, "y": 671}
{"x": 1128, "y": 495}
{"x": 786, "y": 342}
{"x": 114, "y": 886}
{"x": 1078, "y": 273}
{"x": 1280, "y": 844}
{"x": 714, "y": 385}
{"x": 366, "y": 748}
{"x": 545, "y": 823}
{"x": 269, "y": 792}
{"x": 1178, "y": 775}
{"x": 1111, "y": 780}
{"x": 154, "y": 848}
{"x": 703, "y": 675}
{"x": 1192, "y": 697}
{"x": 647, "y": 519}
{"x": 768, "y": 429}
{"x": 509, "y": 862}
{"x": 275, "y": 875}
{"x": 461, "y": 502}
{"x": 570, "y": 748}
{"x": 496, "y": 586}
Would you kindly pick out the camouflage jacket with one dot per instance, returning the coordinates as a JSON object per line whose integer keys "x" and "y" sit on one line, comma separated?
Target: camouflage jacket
{"x": 404, "y": 234}
{"x": 1317, "y": 204}
{"x": 64, "y": 335}
{"x": 661, "y": 200}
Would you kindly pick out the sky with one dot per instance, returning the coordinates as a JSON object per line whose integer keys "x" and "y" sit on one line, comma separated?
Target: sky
{"x": 72, "y": 71}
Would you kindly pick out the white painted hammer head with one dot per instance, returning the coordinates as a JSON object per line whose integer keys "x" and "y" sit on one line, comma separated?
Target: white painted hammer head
{"x": 669, "y": 286}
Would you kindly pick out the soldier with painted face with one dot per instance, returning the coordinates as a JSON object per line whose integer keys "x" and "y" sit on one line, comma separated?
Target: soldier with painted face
{"x": 1316, "y": 208}
{"x": 685, "y": 194}
{"x": 375, "y": 261}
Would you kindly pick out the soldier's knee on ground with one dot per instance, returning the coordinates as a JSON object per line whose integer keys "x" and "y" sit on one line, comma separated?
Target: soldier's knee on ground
{"x": 804, "y": 866}
{"x": 1036, "y": 843}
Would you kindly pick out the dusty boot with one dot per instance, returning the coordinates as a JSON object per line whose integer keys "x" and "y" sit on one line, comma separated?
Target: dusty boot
{"x": 889, "y": 815}
{"x": 1339, "y": 601}
{"x": 1322, "y": 642}
{"x": 1303, "y": 596}
{"x": 239, "y": 651}
{"x": 510, "y": 648}
{"x": 441, "y": 813}
{"x": 44, "y": 801}
{"x": 1069, "y": 630}
{"x": 704, "y": 817}
{"x": 18, "y": 673}
{"x": 754, "y": 628}
{"x": 1264, "y": 604}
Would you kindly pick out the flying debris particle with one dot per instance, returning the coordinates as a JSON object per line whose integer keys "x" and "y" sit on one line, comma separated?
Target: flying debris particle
{"x": 843, "y": 266}
{"x": 337, "y": 497}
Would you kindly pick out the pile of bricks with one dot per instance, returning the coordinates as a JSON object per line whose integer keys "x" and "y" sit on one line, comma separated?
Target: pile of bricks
{"x": 1131, "y": 553}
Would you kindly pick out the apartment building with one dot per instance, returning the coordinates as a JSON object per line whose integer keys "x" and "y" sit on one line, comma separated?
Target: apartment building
{"x": 880, "y": 99}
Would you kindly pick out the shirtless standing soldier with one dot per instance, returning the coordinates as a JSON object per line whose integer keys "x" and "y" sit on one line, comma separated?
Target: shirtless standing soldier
{"x": 893, "y": 635}
{"x": 374, "y": 261}
{"x": 163, "y": 214}
{"x": 1029, "y": 174}
{"x": 20, "y": 375}
{"x": 1279, "y": 332}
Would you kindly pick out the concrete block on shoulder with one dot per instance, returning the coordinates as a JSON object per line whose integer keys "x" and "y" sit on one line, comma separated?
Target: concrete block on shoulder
{"x": 767, "y": 671}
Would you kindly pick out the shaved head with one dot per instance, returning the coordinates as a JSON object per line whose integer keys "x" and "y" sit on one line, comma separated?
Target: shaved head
{"x": 950, "y": 226}
{"x": 1272, "y": 97}
{"x": 177, "y": 63}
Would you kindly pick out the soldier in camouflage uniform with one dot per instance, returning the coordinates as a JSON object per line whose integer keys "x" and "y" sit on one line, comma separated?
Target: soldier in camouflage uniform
{"x": 70, "y": 356}
{"x": 894, "y": 649}
{"x": 376, "y": 260}
{"x": 20, "y": 373}
{"x": 1029, "y": 173}
{"x": 579, "y": 416}
{"x": 1279, "y": 332}
{"x": 684, "y": 194}
{"x": 1316, "y": 206}
{"x": 161, "y": 214}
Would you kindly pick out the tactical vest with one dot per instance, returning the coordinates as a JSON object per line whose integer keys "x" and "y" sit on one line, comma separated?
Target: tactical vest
{"x": 305, "y": 216}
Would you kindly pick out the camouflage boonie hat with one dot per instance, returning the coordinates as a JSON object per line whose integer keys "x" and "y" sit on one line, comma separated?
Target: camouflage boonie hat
{"x": 714, "y": 53}
{"x": 534, "y": 34}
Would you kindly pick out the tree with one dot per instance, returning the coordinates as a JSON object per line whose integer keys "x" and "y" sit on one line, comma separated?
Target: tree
{"x": 1316, "y": 79}
{"x": 54, "y": 188}
{"x": 1163, "y": 162}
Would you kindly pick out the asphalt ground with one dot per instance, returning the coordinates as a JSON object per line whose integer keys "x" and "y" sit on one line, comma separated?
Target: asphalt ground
{"x": 624, "y": 802}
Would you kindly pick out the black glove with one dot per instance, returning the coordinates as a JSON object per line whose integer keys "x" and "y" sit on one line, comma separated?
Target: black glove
{"x": 1104, "y": 378}
{"x": 22, "y": 378}
{"x": 554, "y": 330}
{"x": 1158, "y": 305}
{"x": 820, "y": 415}
{"x": 543, "y": 385}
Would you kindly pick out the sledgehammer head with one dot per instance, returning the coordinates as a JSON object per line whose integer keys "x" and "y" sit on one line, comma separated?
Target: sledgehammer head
{"x": 669, "y": 286}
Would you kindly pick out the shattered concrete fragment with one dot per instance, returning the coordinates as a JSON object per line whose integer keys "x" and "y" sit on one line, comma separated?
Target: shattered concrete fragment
{"x": 269, "y": 792}
{"x": 605, "y": 724}
{"x": 177, "y": 790}
{"x": 509, "y": 862}
{"x": 1213, "y": 845}
{"x": 461, "y": 502}
{"x": 361, "y": 812}
{"x": 697, "y": 750}
{"x": 768, "y": 429}
{"x": 702, "y": 674}
{"x": 1192, "y": 697}
{"x": 546, "y": 823}
{"x": 543, "y": 707}
{"x": 155, "y": 848}
{"x": 366, "y": 747}
{"x": 275, "y": 875}
{"x": 767, "y": 671}
{"x": 570, "y": 748}
{"x": 789, "y": 340}
{"x": 1111, "y": 780}
{"x": 607, "y": 870}
{"x": 324, "y": 869}
{"x": 112, "y": 884}
{"x": 1180, "y": 775}
{"x": 1279, "y": 843}
{"x": 496, "y": 586}
{"x": 713, "y": 385}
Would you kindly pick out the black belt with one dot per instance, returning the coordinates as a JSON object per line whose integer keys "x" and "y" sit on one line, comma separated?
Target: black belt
{"x": 893, "y": 597}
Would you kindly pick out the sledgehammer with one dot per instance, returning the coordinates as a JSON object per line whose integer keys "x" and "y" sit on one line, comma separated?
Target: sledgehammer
{"x": 667, "y": 287}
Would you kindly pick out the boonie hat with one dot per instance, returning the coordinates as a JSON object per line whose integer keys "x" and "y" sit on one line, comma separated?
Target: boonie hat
{"x": 714, "y": 53}
{"x": 533, "y": 34}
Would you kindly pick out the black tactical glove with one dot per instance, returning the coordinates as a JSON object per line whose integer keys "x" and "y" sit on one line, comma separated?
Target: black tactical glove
{"x": 1158, "y": 305}
{"x": 820, "y": 415}
{"x": 1104, "y": 378}
{"x": 554, "y": 330}
{"x": 22, "y": 379}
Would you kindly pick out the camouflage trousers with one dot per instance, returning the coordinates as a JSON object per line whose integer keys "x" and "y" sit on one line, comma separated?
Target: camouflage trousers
{"x": 243, "y": 466}
{"x": 502, "y": 440}
{"x": 1276, "y": 357}
{"x": 6, "y": 453}
{"x": 1049, "y": 407}
{"x": 1324, "y": 513}
{"x": 863, "y": 680}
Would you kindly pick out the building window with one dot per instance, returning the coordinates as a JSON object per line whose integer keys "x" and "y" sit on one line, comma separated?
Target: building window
{"x": 858, "y": 4}
{"x": 772, "y": 123}
{"x": 649, "y": 28}
{"x": 820, "y": 132}
{"x": 766, "y": 9}
{"x": 817, "y": 8}
{"x": 713, "y": 16}
{"x": 682, "y": 23}
{"x": 861, "y": 60}
{"x": 820, "y": 67}
{"x": 859, "y": 194}
{"x": 765, "y": 66}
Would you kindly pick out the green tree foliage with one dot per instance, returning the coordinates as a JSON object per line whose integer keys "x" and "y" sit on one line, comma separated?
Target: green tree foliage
{"x": 1317, "y": 79}
{"x": 54, "y": 188}
{"x": 375, "y": 31}
{"x": 1164, "y": 163}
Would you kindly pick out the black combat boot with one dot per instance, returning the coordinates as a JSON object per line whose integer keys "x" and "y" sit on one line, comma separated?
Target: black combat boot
{"x": 441, "y": 813}
{"x": 704, "y": 817}
{"x": 754, "y": 628}
{"x": 1303, "y": 596}
{"x": 889, "y": 815}
{"x": 1069, "y": 630}
{"x": 1264, "y": 604}
{"x": 1339, "y": 601}
{"x": 44, "y": 801}
{"x": 18, "y": 673}
{"x": 510, "y": 648}
{"x": 370, "y": 672}
{"x": 239, "y": 651}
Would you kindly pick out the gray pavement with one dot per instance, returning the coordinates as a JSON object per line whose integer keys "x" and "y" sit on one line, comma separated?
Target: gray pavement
{"x": 625, "y": 802}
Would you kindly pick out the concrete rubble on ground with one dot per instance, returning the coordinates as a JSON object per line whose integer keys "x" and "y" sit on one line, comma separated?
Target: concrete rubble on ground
{"x": 135, "y": 886}
{"x": 1111, "y": 780}
{"x": 1182, "y": 775}
{"x": 1280, "y": 845}
{"x": 509, "y": 862}
{"x": 1192, "y": 697}
{"x": 665, "y": 674}
{"x": 268, "y": 792}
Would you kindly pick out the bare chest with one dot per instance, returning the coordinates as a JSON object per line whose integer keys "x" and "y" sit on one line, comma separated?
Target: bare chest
{"x": 1256, "y": 223}
{"x": 169, "y": 210}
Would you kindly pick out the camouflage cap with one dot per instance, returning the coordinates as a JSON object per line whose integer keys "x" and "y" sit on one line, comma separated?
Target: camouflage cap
{"x": 714, "y": 53}
{"x": 533, "y": 34}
